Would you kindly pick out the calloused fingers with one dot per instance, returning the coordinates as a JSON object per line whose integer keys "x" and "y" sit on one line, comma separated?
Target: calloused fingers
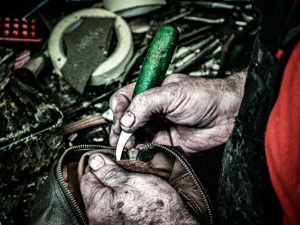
{"x": 114, "y": 138}
{"x": 118, "y": 103}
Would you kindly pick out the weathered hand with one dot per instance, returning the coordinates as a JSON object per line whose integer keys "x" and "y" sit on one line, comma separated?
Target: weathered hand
{"x": 194, "y": 113}
{"x": 114, "y": 196}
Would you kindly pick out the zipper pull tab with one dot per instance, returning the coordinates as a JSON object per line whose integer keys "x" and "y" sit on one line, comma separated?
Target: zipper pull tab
{"x": 132, "y": 153}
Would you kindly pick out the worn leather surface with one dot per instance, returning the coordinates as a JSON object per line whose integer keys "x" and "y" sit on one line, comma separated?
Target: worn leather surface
{"x": 169, "y": 168}
{"x": 52, "y": 206}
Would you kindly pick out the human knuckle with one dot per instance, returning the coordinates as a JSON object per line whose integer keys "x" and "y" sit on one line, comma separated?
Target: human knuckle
{"x": 115, "y": 99}
{"x": 178, "y": 76}
{"x": 173, "y": 78}
{"x": 140, "y": 100}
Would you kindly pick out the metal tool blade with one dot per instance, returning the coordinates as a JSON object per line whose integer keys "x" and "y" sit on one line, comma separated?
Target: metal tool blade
{"x": 124, "y": 137}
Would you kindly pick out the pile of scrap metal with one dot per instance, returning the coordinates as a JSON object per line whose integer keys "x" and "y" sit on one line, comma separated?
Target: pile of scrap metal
{"x": 27, "y": 123}
{"x": 30, "y": 136}
{"x": 93, "y": 53}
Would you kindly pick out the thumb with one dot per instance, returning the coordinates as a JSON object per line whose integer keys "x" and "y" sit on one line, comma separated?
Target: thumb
{"x": 106, "y": 171}
{"x": 157, "y": 100}
{"x": 89, "y": 186}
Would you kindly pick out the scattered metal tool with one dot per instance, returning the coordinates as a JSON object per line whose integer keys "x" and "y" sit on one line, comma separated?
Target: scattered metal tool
{"x": 5, "y": 54}
{"x": 35, "y": 8}
{"x": 211, "y": 5}
{"x": 206, "y": 51}
{"x": 176, "y": 18}
{"x": 190, "y": 50}
{"x": 205, "y": 20}
{"x": 195, "y": 32}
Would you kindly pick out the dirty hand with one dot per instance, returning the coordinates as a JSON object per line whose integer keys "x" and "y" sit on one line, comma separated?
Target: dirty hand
{"x": 113, "y": 196}
{"x": 194, "y": 113}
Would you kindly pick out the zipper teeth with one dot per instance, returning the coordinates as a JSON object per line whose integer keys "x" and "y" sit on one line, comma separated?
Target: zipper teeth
{"x": 198, "y": 185}
{"x": 61, "y": 179}
{"x": 75, "y": 204}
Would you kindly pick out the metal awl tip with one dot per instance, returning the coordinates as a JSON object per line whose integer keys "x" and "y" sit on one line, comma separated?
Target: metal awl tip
{"x": 124, "y": 137}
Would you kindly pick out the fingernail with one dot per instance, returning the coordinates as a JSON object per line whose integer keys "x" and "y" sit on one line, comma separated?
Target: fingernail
{"x": 96, "y": 162}
{"x": 128, "y": 120}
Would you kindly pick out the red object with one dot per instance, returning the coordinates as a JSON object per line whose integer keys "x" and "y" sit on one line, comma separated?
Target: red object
{"x": 282, "y": 141}
{"x": 24, "y": 33}
{"x": 16, "y": 26}
{"x": 6, "y": 32}
{"x": 19, "y": 30}
{"x": 15, "y": 33}
{"x": 24, "y": 26}
{"x": 7, "y": 25}
{"x": 279, "y": 53}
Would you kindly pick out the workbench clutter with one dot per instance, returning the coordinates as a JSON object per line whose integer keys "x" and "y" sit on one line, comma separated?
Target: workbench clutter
{"x": 133, "y": 8}
{"x": 84, "y": 58}
{"x": 30, "y": 135}
{"x": 56, "y": 92}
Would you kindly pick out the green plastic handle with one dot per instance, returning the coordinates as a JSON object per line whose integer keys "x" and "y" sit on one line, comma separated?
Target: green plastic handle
{"x": 157, "y": 59}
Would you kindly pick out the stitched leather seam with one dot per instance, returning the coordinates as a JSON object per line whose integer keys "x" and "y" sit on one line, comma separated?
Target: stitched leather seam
{"x": 192, "y": 206}
{"x": 179, "y": 178}
{"x": 191, "y": 201}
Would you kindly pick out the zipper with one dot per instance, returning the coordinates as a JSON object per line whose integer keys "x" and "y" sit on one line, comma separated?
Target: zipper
{"x": 174, "y": 152}
{"x": 61, "y": 181}
{"x": 191, "y": 172}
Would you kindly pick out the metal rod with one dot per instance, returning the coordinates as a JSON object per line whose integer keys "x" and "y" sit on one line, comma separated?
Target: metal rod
{"x": 199, "y": 45}
{"x": 211, "y": 5}
{"x": 195, "y": 32}
{"x": 35, "y": 8}
{"x": 175, "y": 18}
{"x": 205, "y": 20}
{"x": 198, "y": 57}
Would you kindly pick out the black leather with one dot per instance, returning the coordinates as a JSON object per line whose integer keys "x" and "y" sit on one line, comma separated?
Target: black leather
{"x": 51, "y": 206}
{"x": 246, "y": 195}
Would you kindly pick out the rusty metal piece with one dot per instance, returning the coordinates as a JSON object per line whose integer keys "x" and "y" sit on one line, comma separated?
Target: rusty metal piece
{"x": 86, "y": 122}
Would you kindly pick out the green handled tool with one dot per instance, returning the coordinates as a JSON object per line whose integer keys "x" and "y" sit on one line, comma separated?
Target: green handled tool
{"x": 153, "y": 69}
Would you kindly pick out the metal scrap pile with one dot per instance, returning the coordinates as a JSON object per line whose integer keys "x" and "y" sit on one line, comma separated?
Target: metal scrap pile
{"x": 215, "y": 41}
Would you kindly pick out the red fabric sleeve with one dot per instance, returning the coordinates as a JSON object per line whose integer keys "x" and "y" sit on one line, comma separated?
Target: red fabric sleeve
{"x": 282, "y": 141}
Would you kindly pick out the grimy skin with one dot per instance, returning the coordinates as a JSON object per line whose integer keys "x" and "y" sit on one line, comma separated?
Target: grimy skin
{"x": 114, "y": 196}
{"x": 194, "y": 113}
